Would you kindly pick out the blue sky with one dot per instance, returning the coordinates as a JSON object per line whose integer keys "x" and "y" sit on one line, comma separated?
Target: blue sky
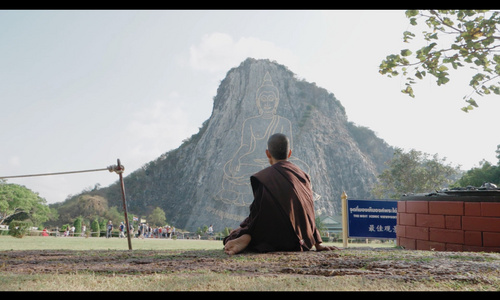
{"x": 81, "y": 88}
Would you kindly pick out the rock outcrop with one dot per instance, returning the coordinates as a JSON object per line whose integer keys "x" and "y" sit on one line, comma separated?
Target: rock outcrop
{"x": 206, "y": 180}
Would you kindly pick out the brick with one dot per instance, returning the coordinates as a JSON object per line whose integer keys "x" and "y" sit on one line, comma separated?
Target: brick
{"x": 472, "y": 208}
{"x": 453, "y": 222}
{"x": 421, "y": 207}
{"x": 481, "y": 224}
{"x": 430, "y": 246}
{"x": 400, "y": 231}
{"x": 491, "y": 239}
{"x": 454, "y": 247}
{"x": 481, "y": 249}
{"x": 446, "y": 235}
{"x": 473, "y": 238}
{"x": 449, "y": 225}
{"x": 446, "y": 208}
{"x": 492, "y": 249}
{"x": 406, "y": 219}
{"x": 470, "y": 248}
{"x": 490, "y": 209}
{"x": 418, "y": 233}
{"x": 436, "y": 221}
{"x": 409, "y": 244}
{"x": 401, "y": 206}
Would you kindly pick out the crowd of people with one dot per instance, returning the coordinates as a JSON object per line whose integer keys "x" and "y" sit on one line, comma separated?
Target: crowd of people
{"x": 69, "y": 231}
{"x": 143, "y": 231}
{"x": 146, "y": 231}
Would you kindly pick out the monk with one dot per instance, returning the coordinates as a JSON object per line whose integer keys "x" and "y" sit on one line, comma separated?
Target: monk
{"x": 282, "y": 213}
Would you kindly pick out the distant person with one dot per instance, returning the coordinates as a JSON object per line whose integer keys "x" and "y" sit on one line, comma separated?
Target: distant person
{"x": 282, "y": 213}
{"x": 109, "y": 228}
{"x": 122, "y": 230}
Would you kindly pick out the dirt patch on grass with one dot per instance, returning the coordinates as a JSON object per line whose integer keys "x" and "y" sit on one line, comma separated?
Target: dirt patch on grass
{"x": 370, "y": 263}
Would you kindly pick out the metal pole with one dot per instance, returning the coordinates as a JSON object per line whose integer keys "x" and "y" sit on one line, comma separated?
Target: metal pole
{"x": 344, "y": 219}
{"x": 120, "y": 170}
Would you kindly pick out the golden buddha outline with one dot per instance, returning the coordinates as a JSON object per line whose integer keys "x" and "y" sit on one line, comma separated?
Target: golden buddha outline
{"x": 250, "y": 156}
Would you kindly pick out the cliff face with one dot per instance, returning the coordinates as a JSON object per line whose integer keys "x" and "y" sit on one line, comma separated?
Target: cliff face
{"x": 206, "y": 180}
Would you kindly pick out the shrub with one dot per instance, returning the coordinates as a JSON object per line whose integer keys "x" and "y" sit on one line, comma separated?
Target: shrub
{"x": 19, "y": 229}
{"x": 95, "y": 228}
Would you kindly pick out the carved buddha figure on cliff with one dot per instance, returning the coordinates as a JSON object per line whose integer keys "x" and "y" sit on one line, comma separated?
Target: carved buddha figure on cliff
{"x": 250, "y": 157}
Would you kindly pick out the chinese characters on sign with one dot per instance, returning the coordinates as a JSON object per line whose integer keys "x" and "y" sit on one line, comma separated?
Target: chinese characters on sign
{"x": 372, "y": 218}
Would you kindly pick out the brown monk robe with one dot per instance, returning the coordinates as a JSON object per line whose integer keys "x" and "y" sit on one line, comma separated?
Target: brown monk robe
{"x": 282, "y": 214}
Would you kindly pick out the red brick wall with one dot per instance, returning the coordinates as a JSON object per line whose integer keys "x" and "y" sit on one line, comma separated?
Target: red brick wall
{"x": 449, "y": 225}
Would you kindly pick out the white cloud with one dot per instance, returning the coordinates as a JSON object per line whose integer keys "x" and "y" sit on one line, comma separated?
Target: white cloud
{"x": 159, "y": 127}
{"x": 219, "y": 52}
{"x": 163, "y": 125}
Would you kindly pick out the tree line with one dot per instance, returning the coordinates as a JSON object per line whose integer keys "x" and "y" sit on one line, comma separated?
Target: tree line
{"x": 22, "y": 206}
{"x": 418, "y": 172}
{"x": 406, "y": 172}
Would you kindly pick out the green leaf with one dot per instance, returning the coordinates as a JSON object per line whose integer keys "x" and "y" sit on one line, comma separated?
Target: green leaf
{"x": 408, "y": 91}
{"x": 472, "y": 102}
{"x": 442, "y": 80}
{"x": 407, "y": 35}
{"x": 442, "y": 68}
{"x": 406, "y": 52}
{"x": 411, "y": 13}
{"x": 495, "y": 89}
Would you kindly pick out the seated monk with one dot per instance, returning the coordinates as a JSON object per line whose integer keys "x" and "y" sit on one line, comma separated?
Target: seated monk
{"x": 282, "y": 213}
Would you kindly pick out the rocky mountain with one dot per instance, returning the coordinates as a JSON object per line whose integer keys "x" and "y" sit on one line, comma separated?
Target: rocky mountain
{"x": 206, "y": 180}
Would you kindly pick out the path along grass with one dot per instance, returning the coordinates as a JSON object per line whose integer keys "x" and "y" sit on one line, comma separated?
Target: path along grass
{"x": 354, "y": 269}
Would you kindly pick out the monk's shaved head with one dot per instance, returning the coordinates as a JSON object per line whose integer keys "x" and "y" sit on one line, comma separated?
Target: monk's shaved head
{"x": 278, "y": 146}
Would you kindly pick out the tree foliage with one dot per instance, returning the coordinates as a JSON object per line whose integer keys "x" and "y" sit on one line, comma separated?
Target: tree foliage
{"x": 17, "y": 201}
{"x": 86, "y": 206}
{"x": 485, "y": 173}
{"x": 413, "y": 172}
{"x": 95, "y": 228}
{"x": 78, "y": 225}
{"x": 476, "y": 44}
{"x": 476, "y": 177}
{"x": 157, "y": 217}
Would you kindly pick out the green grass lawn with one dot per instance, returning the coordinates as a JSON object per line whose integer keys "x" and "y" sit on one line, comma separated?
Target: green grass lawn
{"x": 102, "y": 243}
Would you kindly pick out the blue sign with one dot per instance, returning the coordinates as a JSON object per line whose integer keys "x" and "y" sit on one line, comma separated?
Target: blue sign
{"x": 372, "y": 218}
